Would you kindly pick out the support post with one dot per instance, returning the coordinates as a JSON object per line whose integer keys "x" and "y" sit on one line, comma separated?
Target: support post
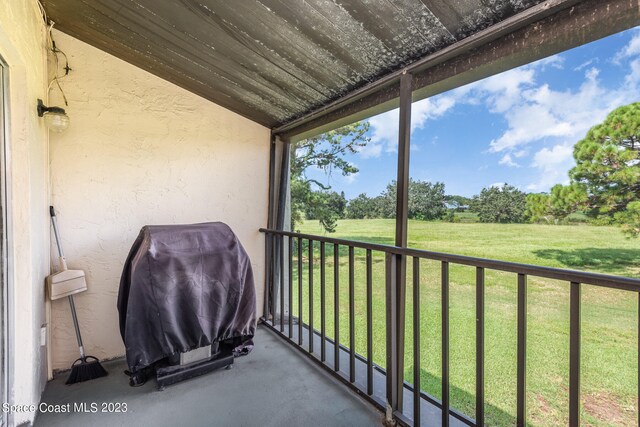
{"x": 278, "y": 250}
{"x": 404, "y": 137}
{"x": 283, "y": 186}
{"x": 402, "y": 208}
{"x": 270, "y": 223}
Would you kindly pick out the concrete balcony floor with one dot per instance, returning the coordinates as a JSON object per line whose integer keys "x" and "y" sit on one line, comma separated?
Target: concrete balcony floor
{"x": 275, "y": 385}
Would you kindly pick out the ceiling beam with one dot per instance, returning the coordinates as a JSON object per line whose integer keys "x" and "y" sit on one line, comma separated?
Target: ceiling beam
{"x": 540, "y": 31}
{"x": 446, "y": 14}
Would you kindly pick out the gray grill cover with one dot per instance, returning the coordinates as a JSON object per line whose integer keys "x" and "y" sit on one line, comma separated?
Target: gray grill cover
{"x": 184, "y": 287}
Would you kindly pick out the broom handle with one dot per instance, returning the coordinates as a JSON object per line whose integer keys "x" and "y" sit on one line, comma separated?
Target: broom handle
{"x": 63, "y": 261}
{"x": 63, "y": 264}
{"x": 77, "y": 326}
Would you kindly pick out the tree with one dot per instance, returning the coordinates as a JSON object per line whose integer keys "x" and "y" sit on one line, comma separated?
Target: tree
{"x": 326, "y": 152}
{"x": 387, "y": 201}
{"x": 538, "y": 208}
{"x": 567, "y": 199}
{"x": 378, "y": 205}
{"x": 500, "y": 204}
{"x": 337, "y": 203}
{"x": 362, "y": 207}
{"x": 630, "y": 219}
{"x": 326, "y": 203}
{"x": 426, "y": 200}
{"x": 608, "y": 165}
{"x": 327, "y": 207}
{"x": 556, "y": 206}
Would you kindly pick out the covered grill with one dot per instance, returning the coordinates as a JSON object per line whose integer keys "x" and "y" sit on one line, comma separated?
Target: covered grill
{"x": 185, "y": 289}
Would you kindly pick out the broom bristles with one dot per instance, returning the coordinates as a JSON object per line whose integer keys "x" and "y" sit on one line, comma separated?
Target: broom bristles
{"x": 83, "y": 370}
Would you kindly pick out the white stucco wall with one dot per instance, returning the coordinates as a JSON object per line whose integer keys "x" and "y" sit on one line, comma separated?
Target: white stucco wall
{"x": 22, "y": 46}
{"x": 141, "y": 150}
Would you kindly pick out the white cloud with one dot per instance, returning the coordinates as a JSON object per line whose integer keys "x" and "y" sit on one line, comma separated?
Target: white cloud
{"x": 508, "y": 161}
{"x": 372, "y": 149}
{"x": 553, "y": 164}
{"x": 547, "y": 158}
{"x": 527, "y": 123}
{"x": 630, "y": 50}
{"x": 542, "y": 113}
{"x": 504, "y": 90}
{"x": 384, "y": 131}
{"x": 430, "y": 108}
{"x": 385, "y": 126}
{"x": 498, "y": 184}
{"x": 586, "y": 64}
{"x": 349, "y": 179}
{"x": 554, "y": 61}
{"x": 633, "y": 78}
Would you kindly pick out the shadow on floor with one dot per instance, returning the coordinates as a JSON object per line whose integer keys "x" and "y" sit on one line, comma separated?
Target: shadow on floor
{"x": 461, "y": 400}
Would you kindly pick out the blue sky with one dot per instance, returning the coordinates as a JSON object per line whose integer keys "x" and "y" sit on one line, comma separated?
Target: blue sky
{"x": 517, "y": 127}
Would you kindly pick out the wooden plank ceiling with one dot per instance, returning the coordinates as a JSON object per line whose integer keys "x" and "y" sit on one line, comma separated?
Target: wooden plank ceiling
{"x": 275, "y": 60}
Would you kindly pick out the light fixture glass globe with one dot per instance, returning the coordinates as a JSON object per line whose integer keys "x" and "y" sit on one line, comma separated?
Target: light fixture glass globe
{"x": 56, "y": 122}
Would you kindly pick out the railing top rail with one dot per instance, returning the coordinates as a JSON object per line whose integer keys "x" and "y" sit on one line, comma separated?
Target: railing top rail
{"x": 605, "y": 280}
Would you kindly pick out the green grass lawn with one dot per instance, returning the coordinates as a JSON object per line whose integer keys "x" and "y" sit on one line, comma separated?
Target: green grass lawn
{"x": 466, "y": 217}
{"x": 609, "y": 317}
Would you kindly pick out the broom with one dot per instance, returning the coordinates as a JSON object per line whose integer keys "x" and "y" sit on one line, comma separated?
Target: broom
{"x": 86, "y": 367}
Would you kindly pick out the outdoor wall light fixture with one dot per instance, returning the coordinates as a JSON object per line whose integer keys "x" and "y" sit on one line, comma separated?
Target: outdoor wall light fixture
{"x": 55, "y": 118}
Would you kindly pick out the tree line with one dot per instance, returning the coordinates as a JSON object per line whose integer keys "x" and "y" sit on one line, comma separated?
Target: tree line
{"x": 427, "y": 202}
{"x": 604, "y": 184}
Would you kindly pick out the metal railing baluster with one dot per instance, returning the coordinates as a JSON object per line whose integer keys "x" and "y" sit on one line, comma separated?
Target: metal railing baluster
{"x": 352, "y": 315}
{"x": 290, "y": 287}
{"x": 281, "y": 239}
{"x": 416, "y": 342}
{"x": 369, "y": 324}
{"x": 300, "y": 291}
{"x": 323, "y": 332}
{"x": 391, "y": 313}
{"x": 336, "y": 307}
{"x": 445, "y": 343}
{"x": 574, "y": 355}
{"x": 273, "y": 301}
{"x": 521, "y": 379}
{"x": 311, "y": 296}
{"x": 480, "y": 346}
{"x": 268, "y": 277}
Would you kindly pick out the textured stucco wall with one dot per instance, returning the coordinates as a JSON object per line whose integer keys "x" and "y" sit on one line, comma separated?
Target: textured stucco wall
{"x": 141, "y": 150}
{"x": 22, "y": 46}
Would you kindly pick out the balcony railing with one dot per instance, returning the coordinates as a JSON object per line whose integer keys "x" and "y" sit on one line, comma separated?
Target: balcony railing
{"x": 386, "y": 386}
